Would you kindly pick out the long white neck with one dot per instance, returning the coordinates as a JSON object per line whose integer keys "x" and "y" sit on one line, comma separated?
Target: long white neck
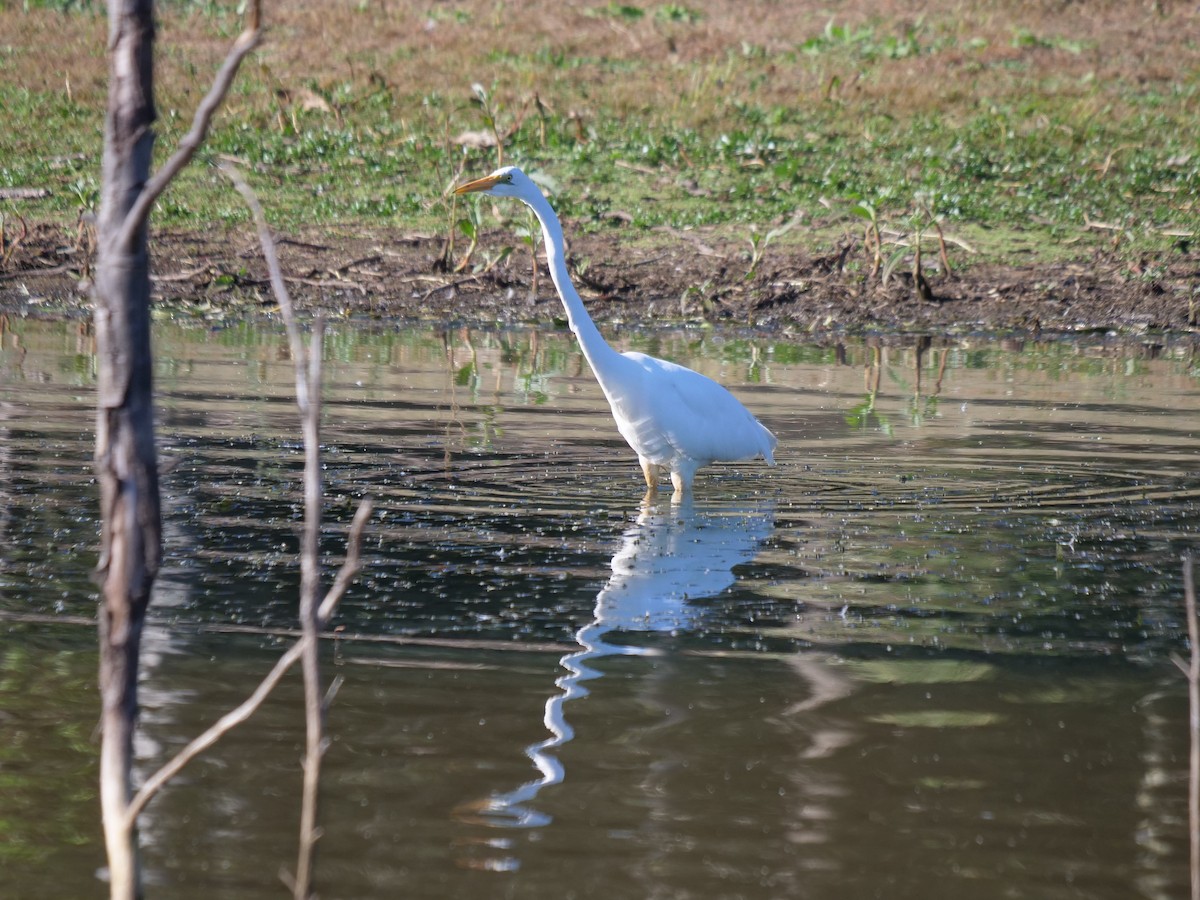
{"x": 599, "y": 355}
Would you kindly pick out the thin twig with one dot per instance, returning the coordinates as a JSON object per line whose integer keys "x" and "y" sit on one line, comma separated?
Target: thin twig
{"x": 307, "y": 363}
{"x": 23, "y": 193}
{"x": 310, "y": 574}
{"x": 33, "y": 273}
{"x": 9, "y": 248}
{"x": 341, "y": 283}
{"x": 250, "y": 705}
{"x": 449, "y": 286}
{"x": 308, "y": 373}
{"x": 942, "y": 247}
{"x": 1102, "y": 226}
{"x": 1193, "y": 674}
{"x": 374, "y": 257}
{"x": 278, "y": 285}
{"x": 187, "y": 275}
{"x": 214, "y": 732}
{"x": 350, "y": 566}
{"x": 140, "y": 210}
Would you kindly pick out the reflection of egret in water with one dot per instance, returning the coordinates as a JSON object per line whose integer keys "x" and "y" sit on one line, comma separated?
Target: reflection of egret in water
{"x": 670, "y": 556}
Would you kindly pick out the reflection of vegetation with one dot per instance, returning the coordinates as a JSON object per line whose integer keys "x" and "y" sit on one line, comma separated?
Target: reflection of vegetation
{"x": 920, "y": 406}
{"x": 862, "y": 416}
{"x": 935, "y": 718}
{"x": 509, "y": 368}
{"x": 553, "y": 353}
{"x": 919, "y": 671}
{"x": 930, "y": 541}
{"x": 46, "y": 757}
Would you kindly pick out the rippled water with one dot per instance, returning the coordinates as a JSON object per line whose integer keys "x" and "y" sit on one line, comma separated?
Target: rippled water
{"x": 927, "y": 655}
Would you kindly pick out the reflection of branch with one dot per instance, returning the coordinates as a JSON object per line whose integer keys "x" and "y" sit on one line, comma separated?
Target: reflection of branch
{"x": 341, "y": 637}
{"x": 872, "y": 375}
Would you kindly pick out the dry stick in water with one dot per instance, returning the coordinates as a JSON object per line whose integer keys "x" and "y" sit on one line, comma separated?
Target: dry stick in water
{"x": 126, "y": 459}
{"x": 308, "y": 400}
{"x": 314, "y": 617}
{"x": 310, "y": 626}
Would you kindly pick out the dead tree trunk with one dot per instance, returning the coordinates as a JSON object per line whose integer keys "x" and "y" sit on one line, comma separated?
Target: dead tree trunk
{"x": 126, "y": 460}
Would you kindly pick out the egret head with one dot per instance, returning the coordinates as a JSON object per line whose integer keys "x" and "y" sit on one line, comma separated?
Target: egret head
{"x": 508, "y": 181}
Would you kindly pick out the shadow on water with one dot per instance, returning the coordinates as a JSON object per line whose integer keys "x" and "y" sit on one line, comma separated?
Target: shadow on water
{"x": 673, "y": 556}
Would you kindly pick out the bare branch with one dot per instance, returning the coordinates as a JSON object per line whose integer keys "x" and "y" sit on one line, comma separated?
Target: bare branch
{"x": 278, "y": 285}
{"x": 1193, "y": 676}
{"x": 351, "y": 565}
{"x": 350, "y": 568}
{"x": 215, "y": 731}
{"x": 1189, "y": 599}
{"x": 313, "y": 617}
{"x": 246, "y": 41}
{"x": 310, "y": 574}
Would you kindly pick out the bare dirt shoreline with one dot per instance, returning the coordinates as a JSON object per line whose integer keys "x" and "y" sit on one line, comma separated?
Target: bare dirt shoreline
{"x": 680, "y": 277}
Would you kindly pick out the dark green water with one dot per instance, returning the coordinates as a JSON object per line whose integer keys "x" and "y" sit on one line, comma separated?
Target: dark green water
{"x": 928, "y": 655}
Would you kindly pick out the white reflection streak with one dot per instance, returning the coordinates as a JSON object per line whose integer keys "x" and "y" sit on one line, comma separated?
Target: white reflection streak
{"x": 671, "y": 555}
{"x": 160, "y": 700}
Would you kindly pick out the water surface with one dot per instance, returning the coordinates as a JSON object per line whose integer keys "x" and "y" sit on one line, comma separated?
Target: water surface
{"x": 927, "y": 655}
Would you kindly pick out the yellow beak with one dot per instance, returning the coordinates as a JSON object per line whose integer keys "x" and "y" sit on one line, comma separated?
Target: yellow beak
{"x": 479, "y": 184}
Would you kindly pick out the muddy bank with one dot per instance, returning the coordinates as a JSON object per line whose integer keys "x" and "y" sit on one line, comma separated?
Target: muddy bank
{"x": 680, "y": 277}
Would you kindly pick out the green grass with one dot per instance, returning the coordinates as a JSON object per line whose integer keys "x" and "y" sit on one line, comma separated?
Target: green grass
{"x": 1028, "y": 166}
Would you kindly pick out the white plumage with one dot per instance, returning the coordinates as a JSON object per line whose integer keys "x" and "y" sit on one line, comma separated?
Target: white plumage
{"x": 673, "y": 417}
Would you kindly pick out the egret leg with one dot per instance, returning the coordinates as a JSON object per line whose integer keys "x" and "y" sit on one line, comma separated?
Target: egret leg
{"x": 682, "y": 487}
{"x": 650, "y": 471}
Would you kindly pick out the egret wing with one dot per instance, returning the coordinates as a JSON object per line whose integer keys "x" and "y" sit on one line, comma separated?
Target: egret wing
{"x": 697, "y": 417}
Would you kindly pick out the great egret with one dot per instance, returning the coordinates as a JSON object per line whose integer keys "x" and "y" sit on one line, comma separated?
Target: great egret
{"x": 673, "y": 418}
